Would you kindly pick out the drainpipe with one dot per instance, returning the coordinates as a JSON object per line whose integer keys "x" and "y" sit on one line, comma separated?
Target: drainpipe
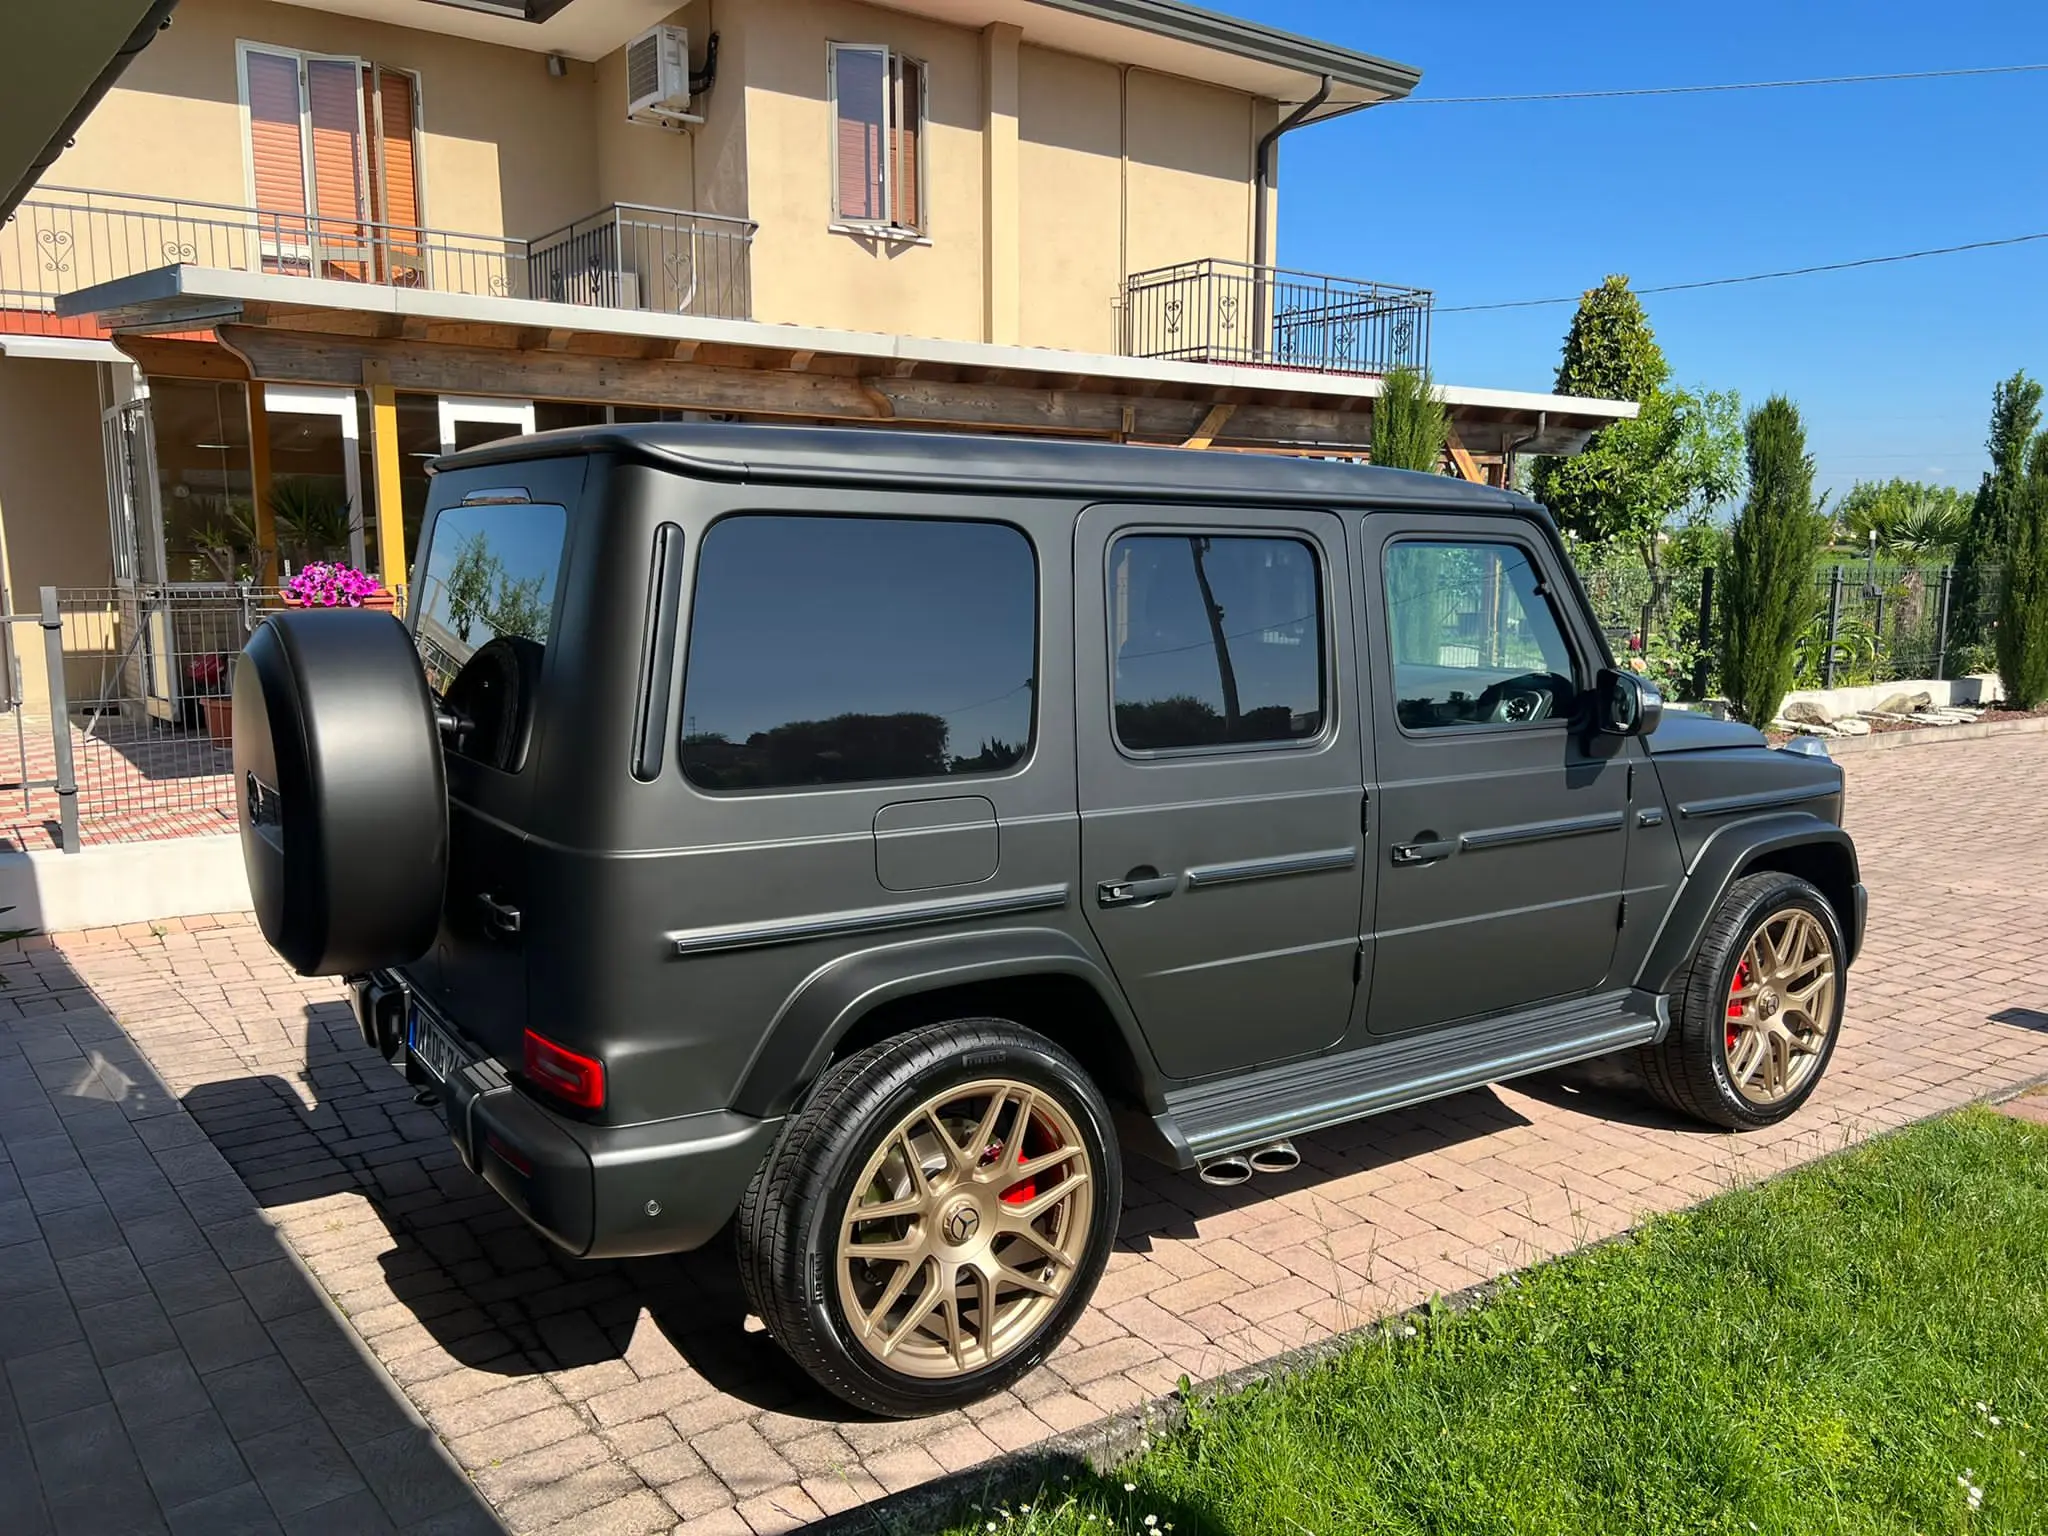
{"x": 1262, "y": 182}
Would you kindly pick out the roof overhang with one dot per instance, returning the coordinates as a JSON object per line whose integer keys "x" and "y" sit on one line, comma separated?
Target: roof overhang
{"x": 316, "y": 314}
{"x": 576, "y": 29}
{"x": 63, "y": 349}
{"x": 67, "y": 57}
{"x": 1178, "y": 39}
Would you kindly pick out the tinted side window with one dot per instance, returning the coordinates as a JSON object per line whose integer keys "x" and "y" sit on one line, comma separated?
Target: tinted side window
{"x": 1214, "y": 640}
{"x": 837, "y": 650}
{"x": 1473, "y": 637}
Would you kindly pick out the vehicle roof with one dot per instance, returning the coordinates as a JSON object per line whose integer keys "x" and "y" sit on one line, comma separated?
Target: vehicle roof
{"x": 869, "y": 456}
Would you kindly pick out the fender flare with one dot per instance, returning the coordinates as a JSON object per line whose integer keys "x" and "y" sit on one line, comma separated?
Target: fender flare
{"x": 1719, "y": 863}
{"x": 834, "y": 998}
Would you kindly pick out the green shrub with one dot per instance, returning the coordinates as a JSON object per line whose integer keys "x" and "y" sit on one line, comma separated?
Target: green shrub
{"x": 1409, "y": 426}
{"x": 2023, "y": 599}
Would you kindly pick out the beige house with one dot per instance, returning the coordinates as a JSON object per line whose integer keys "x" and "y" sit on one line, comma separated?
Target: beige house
{"x": 300, "y": 248}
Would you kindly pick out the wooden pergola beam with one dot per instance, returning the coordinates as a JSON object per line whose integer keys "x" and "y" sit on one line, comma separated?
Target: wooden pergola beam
{"x": 304, "y": 358}
{"x": 1467, "y": 465}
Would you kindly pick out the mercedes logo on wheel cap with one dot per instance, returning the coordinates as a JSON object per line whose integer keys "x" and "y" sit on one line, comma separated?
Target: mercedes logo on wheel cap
{"x": 961, "y": 1223}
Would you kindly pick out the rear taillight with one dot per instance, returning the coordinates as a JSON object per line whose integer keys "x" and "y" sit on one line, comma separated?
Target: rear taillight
{"x": 574, "y": 1079}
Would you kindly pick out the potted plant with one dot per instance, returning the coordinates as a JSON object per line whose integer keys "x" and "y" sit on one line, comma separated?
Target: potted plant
{"x": 206, "y": 682}
{"x": 329, "y": 584}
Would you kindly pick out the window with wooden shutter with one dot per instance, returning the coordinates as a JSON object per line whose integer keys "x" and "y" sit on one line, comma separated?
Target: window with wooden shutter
{"x": 277, "y": 157}
{"x": 878, "y": 138}
{"x": 332, "y": 160}
{"x": 391, "y": 110}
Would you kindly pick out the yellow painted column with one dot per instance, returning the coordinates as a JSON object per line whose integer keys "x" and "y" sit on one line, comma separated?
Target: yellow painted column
{"x": 1001, "y": 232}
{"x": 384, "y": 460}
{"x": 263, "y": 521}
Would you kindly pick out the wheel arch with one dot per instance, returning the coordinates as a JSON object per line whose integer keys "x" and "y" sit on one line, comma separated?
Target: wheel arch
{"x": 1796, "y": 843}
{"x": 1039, "y": 978}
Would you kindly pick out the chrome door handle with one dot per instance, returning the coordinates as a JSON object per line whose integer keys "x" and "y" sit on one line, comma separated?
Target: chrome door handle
{"x": 1128, "y": 893}
{"x": 1425, "y": 853}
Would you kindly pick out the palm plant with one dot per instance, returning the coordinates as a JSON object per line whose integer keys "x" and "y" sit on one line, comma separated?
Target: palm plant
{"x": 312, "y": 524}
{"x": 1908, "y": 517}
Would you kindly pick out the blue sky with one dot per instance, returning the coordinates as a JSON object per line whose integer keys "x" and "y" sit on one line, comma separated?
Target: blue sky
{"x": 1892, "y": 366}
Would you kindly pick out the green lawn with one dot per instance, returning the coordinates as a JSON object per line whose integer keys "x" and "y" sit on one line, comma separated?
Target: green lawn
{"x": 1852, "y": 1348}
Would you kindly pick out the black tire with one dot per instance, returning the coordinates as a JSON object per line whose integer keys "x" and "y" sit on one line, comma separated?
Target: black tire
{"x": 342, "y": 791}
{"x": 790, "y": 1217}
{"x": 1688, "y": 1071}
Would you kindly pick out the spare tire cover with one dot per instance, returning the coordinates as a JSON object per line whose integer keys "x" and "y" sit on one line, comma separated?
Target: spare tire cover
{"x": 343, "y": 797}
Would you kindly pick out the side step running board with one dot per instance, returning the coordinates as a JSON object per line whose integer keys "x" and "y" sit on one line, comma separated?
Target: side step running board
{"x": 1229, "y": 1115}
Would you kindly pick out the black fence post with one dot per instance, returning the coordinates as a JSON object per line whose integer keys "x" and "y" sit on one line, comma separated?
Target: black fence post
{"x": 1834, "y": 628}
{"x": 1702, "y": 666}
{"x": 1948, "y": 577}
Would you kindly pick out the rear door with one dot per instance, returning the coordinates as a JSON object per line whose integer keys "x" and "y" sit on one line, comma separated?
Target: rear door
{"x": 483, "y": 611}
{"x": 1220, "y": 776}
{"x": 1503, "y": 833}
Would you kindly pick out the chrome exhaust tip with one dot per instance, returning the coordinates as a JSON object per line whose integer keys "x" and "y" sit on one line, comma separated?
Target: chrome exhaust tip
{"x": 1275, "y": 1157}
{"x": 1230, "y": 1169}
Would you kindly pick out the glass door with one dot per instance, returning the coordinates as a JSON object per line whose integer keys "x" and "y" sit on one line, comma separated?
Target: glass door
{"x": 471, "y": 421}
{"x": 316, "y": 474}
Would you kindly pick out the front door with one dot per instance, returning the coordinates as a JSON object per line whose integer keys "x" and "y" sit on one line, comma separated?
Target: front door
{"x": 1220, "y": 777}
{"x": 1502, "y": 823}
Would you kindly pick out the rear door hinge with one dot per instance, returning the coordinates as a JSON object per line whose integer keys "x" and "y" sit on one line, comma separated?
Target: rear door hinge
{"x": 1621, "y": 915}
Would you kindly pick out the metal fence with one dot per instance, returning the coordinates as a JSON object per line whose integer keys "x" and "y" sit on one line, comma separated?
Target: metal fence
{"x": 624, "y": 257}
{"x": 1216, "y": 311}
{"x": 1871, "y": 622}
{"x": 121, "y": 728}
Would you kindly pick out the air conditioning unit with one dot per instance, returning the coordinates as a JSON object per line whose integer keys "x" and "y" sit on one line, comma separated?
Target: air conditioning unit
{"x": 658, "y": 78}
{"x": 602, "y": 289}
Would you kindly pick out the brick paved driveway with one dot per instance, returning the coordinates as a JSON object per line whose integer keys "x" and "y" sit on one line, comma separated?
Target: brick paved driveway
{"x": 630, "y": 1396}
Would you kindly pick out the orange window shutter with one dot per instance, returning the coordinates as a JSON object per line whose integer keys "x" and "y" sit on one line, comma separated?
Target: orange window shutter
{"x": 399, "y": 161}
{"x": 336, "y": 111}
{"x": 862, "y": 82}
{"x": 904, "y": 183}
{"x": 276, "y": 146}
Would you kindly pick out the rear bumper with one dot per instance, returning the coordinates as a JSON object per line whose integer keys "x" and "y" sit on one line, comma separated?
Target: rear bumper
{"x": 598, "y": 1191}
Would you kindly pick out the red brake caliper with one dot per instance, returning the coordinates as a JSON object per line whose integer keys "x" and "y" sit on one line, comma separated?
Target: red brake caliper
{"x": 1028, "y": 1190}
{"x": 1734, "y": 1007}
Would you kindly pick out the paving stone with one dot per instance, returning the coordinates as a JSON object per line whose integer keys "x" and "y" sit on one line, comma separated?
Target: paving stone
{"x": 156, "y": 1388}
{"x": 86, "y": 1231}
{"x": 56, "y": 1381}
{"x": 31, "y": 1324}
{"x": 223, "y": 1335}
{"x": 300, "y": 1466}
{"x": 410, "y": 1476}
{"x": 239, "y": 1511}
{"x": 258, "y": 1395}
{"x": 189, "y": 1458}
{"x": 120, "y": 1331}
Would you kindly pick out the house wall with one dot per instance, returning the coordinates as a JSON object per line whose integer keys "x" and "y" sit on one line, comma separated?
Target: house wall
{"x": 53, "y": 500}
{"x": 804, "y": 271}
{"x": 506, "y": 148}
{"x": 1049, "y": 176}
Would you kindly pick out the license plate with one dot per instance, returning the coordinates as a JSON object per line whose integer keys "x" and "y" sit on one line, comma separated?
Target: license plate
{"x": 432, "y": 1047}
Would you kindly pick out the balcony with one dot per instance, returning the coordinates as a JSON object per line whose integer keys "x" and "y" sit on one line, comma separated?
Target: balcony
{"x": 622, "y": 257}
{"x": 1216, "y": 311}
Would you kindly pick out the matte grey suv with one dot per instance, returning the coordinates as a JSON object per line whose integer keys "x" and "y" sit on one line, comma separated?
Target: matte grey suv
{"x": 872, "y": 837}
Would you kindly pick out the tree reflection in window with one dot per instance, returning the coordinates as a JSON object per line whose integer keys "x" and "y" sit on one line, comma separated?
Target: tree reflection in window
{"x": 1217, "y": 640}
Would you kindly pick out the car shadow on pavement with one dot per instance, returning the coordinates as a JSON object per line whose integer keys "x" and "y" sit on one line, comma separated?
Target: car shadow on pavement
{"x": 166, "y": 1364}
{"x": 494, "y": 1295}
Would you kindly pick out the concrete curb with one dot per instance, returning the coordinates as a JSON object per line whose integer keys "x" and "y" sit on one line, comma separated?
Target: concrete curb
{"x": 1929, "y": 735}
{"x": 1108, "y": 1443}
{"x": 108, "y": 884}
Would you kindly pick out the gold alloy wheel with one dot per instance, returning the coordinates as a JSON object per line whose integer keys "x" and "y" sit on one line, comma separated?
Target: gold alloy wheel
{"x": 965, "y": 1229}
{"x": 1781, "y": 1006}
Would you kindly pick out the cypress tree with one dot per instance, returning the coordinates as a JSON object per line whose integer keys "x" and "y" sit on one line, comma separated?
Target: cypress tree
{"x": 1768, "y": 597}
{"x": 2023, "y": 594}
{"x": 2015, "y": 419}
{"x": 1408, "y": 423}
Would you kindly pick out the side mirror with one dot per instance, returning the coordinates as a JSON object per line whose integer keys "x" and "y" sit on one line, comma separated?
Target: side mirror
{"x": 1626, "y": 705}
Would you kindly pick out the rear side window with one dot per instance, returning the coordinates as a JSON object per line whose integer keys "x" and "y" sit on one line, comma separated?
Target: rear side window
{"x": 1215, "y": 641}
{"x": 844, "y": 650}
{"x": 490, "y": 574}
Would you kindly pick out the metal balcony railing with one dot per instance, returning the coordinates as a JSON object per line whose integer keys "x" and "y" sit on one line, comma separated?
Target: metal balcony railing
{"x": 630, "y": 256}
{"x": 1215, "y": 311}
{"x": 65, "y": 239}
